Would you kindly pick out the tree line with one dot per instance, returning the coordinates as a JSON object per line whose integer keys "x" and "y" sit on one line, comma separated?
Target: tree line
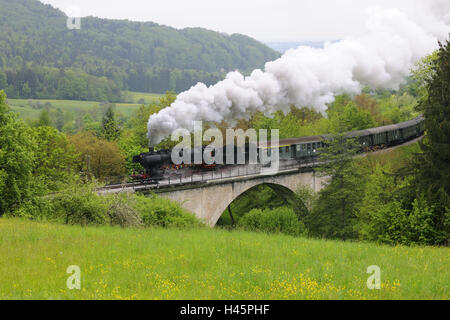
{"x": 111, "y": 55}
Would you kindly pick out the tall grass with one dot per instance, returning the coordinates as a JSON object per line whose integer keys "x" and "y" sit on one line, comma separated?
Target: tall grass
{"x": 207, "y": 264}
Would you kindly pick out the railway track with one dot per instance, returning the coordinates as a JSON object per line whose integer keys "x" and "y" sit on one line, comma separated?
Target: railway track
{"x": 225, "y": 174}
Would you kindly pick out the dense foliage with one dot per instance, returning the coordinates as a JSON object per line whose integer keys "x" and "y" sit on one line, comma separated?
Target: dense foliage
{"x": 42, "y": 58}
{"x": 17, "y": 159}
{"x": 280, "y": 220}
{"x": 396, "y": 197}
{"x": 156, "y": 211}
{"x": 98, "y": 157}
{"x": 45, "y": 175}
{"x": 335, "y": 210}
{"x": 432, "y": 166}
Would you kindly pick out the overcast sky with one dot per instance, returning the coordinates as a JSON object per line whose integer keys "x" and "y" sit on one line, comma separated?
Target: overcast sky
{"x": 265, "y": 20}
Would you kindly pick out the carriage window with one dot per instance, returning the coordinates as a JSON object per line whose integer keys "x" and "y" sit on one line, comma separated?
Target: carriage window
{"x": 299, "y": 147}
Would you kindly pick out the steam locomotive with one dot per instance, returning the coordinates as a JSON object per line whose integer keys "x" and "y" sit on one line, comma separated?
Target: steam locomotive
{"x": 158, "y": 164}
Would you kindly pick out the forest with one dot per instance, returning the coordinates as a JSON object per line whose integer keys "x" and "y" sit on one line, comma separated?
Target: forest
{"x": 42, "y": 58}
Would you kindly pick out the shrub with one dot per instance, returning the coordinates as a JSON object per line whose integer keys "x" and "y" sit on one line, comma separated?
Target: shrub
{"x": 388, "y": 224}
{"x": 280, "y": 220}
{"x": 76, "y": 204}
{"x": 392, "y": 224}
{"x": 36, "y": 208}
{"x": 80, "y": 204}
{"x": 159, "y": 212}
{"x": 422, "y": 230}
{"x": 122, "y": 210}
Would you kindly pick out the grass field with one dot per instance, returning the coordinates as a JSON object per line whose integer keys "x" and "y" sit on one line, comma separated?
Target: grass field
{"x": 23, "y": 107}
{"x": 134, "y": 97}
{"x": 207, "y": 264}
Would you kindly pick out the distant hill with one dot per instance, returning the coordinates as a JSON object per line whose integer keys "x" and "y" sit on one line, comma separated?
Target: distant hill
{"x": 41, "y": 57}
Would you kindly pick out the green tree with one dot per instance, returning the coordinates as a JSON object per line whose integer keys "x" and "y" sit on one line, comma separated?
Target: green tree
{"x": 92, "y": 126}
{"x": 58, "y": 117}
{"x": 280, "y": 220}
{"x": 110, "y": 127}
{"x": 423, "y": 73}
{"x": 351, "y": 118}
{"x": 335, "y": 212}
{"x": 432, "y": 166}
{"x": 99, "y": 158}
{"x": 16, "y": 159}
{"x": 55, "y": 157}
{"x": 44, "y": 119}
{"x": 130, "y": 146}
{"x": 3, "y": 80}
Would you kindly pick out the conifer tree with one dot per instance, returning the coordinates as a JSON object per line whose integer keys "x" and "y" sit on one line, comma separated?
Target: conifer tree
{"x": 110, "y": 128}
{"x": 432, "y": 166}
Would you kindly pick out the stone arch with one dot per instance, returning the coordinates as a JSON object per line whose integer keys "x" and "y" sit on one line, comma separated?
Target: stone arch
{"x": 210, "y": 199}
{"x": 283, "y": 192}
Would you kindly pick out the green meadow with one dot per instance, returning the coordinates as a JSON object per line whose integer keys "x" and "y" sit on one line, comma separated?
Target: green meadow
{"x": 27, "y": 112}
{"x": 207, "y": 264}
{"x": 135, "y": 97}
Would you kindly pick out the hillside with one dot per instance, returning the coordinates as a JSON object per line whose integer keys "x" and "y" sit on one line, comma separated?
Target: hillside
{"x": 207, "y": 264}
{"x": 42, "y": 58}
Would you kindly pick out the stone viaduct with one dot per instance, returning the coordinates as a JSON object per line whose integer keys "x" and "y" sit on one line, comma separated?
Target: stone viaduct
{"x": 208, "y": 200}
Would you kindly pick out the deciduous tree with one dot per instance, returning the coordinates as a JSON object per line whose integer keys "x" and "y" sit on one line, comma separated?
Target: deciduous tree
{"x": 16, "y": 159}
{"x": 98, "y": 157}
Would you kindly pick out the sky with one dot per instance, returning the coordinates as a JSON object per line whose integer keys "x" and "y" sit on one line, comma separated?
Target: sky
{"x": 265, "y": 20}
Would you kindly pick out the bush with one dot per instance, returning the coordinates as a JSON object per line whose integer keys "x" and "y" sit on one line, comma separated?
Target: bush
{"x": 388, "y": 224}
{"x": 80, "y": 204}
{"x": 159, "y": 212}
{"x": 36, "y": 208}
{"x": 421, "y": 224}
{"x": 122, "y": 210}
{"x": 280, "y": 220}
{"x": 392, "y": 224}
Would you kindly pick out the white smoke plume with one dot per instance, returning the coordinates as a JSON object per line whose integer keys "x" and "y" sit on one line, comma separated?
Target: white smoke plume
{"x": 308, "y": 77}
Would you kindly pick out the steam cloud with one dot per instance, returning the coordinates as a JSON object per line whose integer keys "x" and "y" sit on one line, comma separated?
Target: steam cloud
{"x": 308, "y": 77}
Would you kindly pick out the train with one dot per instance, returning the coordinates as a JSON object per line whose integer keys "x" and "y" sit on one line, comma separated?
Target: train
{"x": 157, "y": 165}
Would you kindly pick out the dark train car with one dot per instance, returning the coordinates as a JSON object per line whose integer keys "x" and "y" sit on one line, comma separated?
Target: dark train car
{"x": 389, "y": 135}
{"x": 297, "y": 148}
{"x": 157, "y": 163}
